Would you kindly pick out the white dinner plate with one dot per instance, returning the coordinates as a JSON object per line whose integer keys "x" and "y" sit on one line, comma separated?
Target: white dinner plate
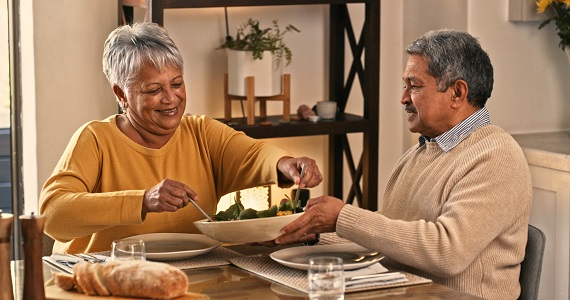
{"x": 354, "y": 256}
{"x": 173, "y": 246}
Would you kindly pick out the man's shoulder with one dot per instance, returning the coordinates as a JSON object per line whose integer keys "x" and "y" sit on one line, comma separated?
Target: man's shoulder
{"x": 492, "y": 138}
{"x": 492, "y": 133}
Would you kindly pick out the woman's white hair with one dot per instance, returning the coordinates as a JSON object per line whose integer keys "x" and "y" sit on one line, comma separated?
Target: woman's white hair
{"x": 128, "y": 47}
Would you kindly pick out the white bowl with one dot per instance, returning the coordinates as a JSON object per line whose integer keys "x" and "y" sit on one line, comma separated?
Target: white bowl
{"x": 245, "y": 231}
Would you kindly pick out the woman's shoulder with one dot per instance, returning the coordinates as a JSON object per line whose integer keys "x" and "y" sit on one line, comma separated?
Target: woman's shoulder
{"x": 203, "y": 123}
{"x": 98, "y": 127}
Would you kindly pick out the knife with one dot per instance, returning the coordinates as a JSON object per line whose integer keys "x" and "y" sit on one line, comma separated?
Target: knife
{"x": 369, "y": 276}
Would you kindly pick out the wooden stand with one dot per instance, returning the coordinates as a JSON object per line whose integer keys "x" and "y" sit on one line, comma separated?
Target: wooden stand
{"x": 251, "y": 99}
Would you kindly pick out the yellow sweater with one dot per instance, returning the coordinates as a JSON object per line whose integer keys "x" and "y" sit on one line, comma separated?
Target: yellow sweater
{"x": 459, "y": 218}
{"x": 95, "y": 193}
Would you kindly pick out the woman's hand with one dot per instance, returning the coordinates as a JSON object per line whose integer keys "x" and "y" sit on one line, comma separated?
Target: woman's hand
{"x": 290, "y": 167}
{"x": 168, "y": 195}
{"x": 320, "y": 216}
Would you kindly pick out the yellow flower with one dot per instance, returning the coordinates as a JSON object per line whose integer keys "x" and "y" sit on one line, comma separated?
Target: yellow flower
{"x": 541, "y": 5}
{"x": 567, "y": 2}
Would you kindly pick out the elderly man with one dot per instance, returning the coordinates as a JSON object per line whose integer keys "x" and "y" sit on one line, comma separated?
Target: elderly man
{"x": 457, "y": 204}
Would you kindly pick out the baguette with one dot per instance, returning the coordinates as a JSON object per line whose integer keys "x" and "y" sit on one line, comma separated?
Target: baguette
{"x": 141, "y": 279}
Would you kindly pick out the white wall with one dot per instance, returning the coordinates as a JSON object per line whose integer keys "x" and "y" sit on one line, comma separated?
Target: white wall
{"x": 530, "y": 71}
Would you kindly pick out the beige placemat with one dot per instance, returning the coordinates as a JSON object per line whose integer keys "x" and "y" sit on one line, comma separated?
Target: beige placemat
{"x": 217, "y": 257}
{"x": 266, "y": 267}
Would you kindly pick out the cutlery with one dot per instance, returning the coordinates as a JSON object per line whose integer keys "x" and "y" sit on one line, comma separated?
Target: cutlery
{"x": 91, "y": 258}
{"x": 373, "y": 276}
{"x": 298, "y": 189}
{"x": 84, "y": 258}
{"x": 200, "y": 209}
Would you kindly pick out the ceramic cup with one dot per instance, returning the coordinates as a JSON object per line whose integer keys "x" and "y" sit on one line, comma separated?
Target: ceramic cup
{"x": 326, "y": 110}
{"x": 326, "y": 278}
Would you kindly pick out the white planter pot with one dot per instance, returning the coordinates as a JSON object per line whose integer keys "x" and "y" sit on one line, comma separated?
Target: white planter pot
{"x": 567, "y": 50}
{"x": 242, "y": 65}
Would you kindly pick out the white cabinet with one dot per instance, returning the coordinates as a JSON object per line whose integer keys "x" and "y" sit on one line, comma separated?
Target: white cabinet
{"x": 548, "y": 156}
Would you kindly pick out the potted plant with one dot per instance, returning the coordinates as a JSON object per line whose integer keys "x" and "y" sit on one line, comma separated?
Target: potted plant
{"x": 258, "y": 52}
{"x": 559, "y": 12}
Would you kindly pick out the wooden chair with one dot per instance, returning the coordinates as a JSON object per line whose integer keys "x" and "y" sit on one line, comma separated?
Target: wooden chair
{"x": 250, "y": 98}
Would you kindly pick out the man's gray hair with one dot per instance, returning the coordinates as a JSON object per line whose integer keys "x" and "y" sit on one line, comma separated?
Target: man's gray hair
{"x": 453, "y": 55}
{"x": 128, "y": 47}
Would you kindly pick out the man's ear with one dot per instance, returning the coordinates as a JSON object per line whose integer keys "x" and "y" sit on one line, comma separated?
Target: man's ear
{"x": 459, "y": 95}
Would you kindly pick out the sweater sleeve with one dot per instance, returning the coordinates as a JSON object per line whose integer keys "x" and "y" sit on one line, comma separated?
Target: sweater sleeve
{"x": 68, "y": 199}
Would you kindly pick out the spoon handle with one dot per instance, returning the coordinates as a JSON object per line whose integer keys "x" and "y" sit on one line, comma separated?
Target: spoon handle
{"x": 298, "y": 189}
{"x": 200, "y": 209}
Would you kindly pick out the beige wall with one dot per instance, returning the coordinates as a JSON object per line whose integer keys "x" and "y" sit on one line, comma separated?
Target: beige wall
{"x": 530, "y": 82}
{"x": 70, "y": 88}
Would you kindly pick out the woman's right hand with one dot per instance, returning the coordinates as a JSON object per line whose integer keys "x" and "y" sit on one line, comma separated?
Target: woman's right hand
{"x": 168, "y": 195}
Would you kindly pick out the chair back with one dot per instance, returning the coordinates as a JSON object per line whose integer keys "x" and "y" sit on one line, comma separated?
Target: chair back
{"x": 531, "y": 266}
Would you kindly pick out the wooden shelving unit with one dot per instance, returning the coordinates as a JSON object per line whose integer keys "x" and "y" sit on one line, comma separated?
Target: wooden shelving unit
{"x": 364, "y": 173}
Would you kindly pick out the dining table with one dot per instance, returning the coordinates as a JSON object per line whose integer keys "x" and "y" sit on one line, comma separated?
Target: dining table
{"x": 230, "y": 281}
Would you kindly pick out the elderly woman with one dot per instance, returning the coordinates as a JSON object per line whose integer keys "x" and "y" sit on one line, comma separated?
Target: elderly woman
{"x": 134, "y": 173}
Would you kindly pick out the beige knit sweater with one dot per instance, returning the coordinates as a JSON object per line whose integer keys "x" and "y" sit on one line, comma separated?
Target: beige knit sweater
{"x": 459, "y": 218}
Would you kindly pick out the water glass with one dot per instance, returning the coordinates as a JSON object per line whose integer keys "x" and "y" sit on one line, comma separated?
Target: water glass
{"x": 326, "y": 278}
{"x": 128, "y": 249}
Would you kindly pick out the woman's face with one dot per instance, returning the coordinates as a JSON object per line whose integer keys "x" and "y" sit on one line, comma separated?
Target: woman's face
{"x": 156, "y": 99}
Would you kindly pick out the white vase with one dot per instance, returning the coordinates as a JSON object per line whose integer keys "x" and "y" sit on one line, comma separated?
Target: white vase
{"x": 242, "y": 65}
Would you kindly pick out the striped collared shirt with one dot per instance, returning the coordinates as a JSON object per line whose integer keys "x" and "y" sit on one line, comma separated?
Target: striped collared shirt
{"x": 455, "y": 135}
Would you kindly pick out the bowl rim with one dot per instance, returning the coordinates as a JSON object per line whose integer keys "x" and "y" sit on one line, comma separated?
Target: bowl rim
{"x": 205, "y": 221}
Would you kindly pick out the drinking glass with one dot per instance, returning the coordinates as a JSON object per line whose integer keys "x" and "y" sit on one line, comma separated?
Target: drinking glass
{"x": 128, "y": 249}
{"x": 326, "y": 278}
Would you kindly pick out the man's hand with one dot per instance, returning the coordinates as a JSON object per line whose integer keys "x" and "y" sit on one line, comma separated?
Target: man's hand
{"x": 320, "y": 216}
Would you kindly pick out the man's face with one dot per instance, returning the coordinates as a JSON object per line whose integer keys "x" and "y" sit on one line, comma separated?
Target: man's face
{"x": 429, "y": 111}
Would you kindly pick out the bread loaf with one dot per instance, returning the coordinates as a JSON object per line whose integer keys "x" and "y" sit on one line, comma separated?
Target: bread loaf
{"x": 141, "y": 279}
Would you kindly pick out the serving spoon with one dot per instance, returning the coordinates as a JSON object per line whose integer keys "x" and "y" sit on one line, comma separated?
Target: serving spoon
{"x": 200, "y": 209}
{"x": 298, "y": 189}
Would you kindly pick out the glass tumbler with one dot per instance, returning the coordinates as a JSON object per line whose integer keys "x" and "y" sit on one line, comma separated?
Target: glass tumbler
{"x": 128, "y": 249}
{"x": 326, "y": 278}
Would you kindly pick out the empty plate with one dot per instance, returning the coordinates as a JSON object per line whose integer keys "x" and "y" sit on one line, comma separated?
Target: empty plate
{"x": 354, "y": 256}
{"x": 173, "y": 246}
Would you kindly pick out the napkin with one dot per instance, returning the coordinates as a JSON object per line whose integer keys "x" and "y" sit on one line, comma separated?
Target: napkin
{"x": 65, "y": 262}
{"x": 375, "y": 274}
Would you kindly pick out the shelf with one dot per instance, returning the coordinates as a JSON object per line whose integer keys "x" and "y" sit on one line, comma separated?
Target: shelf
{"x": 157, "y": 14}
{"x": 343, "y": 124}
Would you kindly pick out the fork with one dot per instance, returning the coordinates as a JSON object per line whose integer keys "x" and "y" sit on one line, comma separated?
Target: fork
{"x": 89, "y": 258}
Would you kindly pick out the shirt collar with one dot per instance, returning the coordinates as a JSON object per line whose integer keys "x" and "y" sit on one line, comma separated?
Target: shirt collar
{"x": 451, "y": 138}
